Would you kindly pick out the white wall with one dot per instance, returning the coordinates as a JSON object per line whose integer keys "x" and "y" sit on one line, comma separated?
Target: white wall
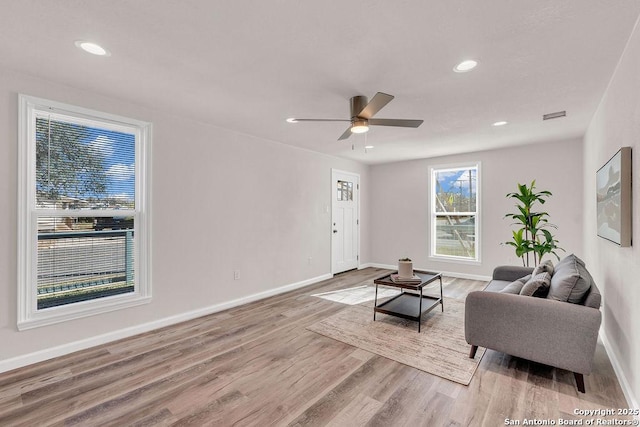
{"x": 616, "y": 124}
{"x": 404, "y": 231}
{"x": 221, "y": 201}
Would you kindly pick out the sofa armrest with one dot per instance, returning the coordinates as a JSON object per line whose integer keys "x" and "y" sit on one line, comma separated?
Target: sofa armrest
{"x": 551, "y": 332}
{"x": 510, "y": 273}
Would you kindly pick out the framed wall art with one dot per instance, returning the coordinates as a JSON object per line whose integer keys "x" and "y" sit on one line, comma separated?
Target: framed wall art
{"x": 613, "y": 182}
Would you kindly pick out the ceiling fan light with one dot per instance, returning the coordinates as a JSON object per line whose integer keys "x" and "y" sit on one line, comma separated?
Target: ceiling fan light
{"x": 359, "y": 129}
{"x": 359, "y": 126}
{"x": 292, "y": 120}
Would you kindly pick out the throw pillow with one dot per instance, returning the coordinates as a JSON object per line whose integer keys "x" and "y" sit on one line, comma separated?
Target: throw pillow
{"x": 516, "y": 286}
{"x": 545, "y": 267}
{"x": 571, "y": 281}
{"x": 537, "y": 286}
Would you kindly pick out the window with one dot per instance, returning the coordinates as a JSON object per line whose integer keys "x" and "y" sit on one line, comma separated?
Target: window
{"x": 345, "y": 191}
{"x": 83, "y": 212}
{"x": 455, "y": 212}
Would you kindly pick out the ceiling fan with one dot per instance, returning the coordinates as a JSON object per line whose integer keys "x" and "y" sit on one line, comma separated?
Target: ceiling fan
{"x": 362, "y": 112}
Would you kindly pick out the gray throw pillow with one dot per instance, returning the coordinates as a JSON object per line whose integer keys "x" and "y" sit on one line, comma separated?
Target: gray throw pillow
{"x": 537, "y": 286}
{"x": 515, "y": 287}
{"x": 544, "y": 267}
{"x": 571, "y": 281}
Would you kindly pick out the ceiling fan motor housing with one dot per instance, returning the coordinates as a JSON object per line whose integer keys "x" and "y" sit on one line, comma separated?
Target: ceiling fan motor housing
{"x": 357, "y": 105}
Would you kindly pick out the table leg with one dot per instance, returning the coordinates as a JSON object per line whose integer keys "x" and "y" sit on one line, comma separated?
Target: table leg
{"x": 375, "y": 303}
{"x": 420, "y": 311}
{"x": 441, "y": 298}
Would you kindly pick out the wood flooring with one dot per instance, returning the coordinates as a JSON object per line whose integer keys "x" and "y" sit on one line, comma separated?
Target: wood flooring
{"x": 257, "y": 365}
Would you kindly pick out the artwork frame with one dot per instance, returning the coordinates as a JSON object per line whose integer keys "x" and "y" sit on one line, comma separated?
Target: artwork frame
{"x": 613, "y": 198}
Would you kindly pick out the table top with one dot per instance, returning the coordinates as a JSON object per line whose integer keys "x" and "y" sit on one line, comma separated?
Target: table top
{"x": 426, "y": 276}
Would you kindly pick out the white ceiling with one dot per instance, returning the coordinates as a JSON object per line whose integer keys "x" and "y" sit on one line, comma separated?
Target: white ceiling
{"x": 248, "y": 65}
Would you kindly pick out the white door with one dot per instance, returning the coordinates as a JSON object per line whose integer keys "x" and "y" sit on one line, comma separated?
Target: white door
{"x": 345, "y": 244}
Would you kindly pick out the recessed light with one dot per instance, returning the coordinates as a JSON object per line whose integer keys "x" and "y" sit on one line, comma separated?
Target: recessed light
{"x": 368, "y": 147}
{"x": 92, "y": 48}
{"x": 292, "y": 120}
{"x": 465, "y": 66}
{"x": 500, "y": 123}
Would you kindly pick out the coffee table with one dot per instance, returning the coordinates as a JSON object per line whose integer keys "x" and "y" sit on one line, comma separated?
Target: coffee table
{"x": 409, "y": 305}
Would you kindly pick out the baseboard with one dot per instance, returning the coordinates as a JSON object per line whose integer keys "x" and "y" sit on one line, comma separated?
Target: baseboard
{"x": 632, "y": 401}
{"x": 444, "y": 273}
{"x": 61, "y": 350}
{"x": 371, "y": 265}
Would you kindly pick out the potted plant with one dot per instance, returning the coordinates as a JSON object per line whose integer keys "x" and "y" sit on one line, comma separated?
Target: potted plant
{"x": 405, "y": 268}
{"x": 533, "y": 235}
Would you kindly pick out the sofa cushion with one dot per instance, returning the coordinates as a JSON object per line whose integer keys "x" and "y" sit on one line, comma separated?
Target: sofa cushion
{"x": 496, "y": 285}
{"x": 537, "y": 286}
{"x": 570, "y": 281}
{"x": 516, "y": 286}
{"x": 545, "y": 267}
{"x": 592, "y": 298}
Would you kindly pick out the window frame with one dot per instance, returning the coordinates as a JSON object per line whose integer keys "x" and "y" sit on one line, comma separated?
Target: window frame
{"x": 434, "y": 214}
{"x": 28, "y": 316}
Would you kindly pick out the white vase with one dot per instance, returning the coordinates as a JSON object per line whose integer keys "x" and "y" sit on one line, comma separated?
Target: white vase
{"x": 405, "y": 269}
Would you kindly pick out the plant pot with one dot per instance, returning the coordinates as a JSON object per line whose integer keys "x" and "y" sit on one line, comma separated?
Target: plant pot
{"x": 405, "y": 269}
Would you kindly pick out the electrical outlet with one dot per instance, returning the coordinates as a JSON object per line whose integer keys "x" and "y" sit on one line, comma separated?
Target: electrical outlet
{"x": 236, "y": 274}
{"x": 309, "y": 260}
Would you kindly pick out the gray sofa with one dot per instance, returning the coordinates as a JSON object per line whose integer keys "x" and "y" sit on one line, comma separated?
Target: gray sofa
{"x": 542, "y": 329}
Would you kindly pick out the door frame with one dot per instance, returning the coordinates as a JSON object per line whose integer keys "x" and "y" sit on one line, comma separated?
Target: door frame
{"x": 332, "y": 188}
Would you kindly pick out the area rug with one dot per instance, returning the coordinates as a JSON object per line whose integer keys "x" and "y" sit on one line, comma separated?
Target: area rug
{"x": 440, "y": 349}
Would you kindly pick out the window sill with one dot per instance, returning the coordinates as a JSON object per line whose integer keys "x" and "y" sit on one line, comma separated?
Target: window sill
{"x": 79, "y": 310}
{"x": 454, "y": 260}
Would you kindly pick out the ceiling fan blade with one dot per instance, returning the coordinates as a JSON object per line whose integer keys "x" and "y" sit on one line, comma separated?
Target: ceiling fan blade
{"x": 294, "y": 120}
{"x": 378, "y": 101}
{"x": 346, "y": 134}
{"x": 396, "y": 122}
